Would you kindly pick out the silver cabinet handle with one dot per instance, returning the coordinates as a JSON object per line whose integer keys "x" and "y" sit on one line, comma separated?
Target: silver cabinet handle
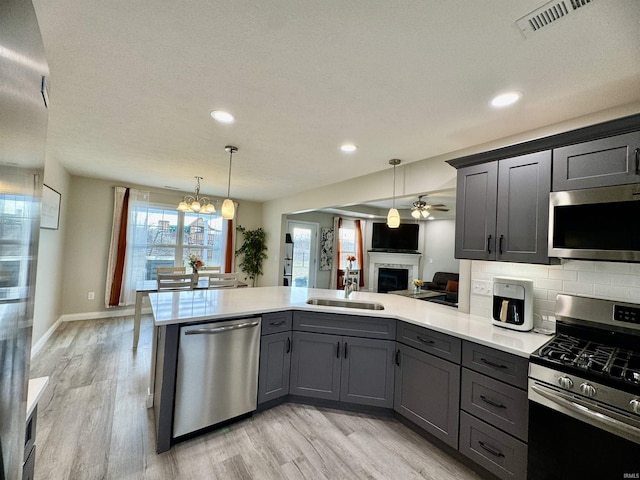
{"x": 213, "y": 331}
{"x": 492, "y": 450}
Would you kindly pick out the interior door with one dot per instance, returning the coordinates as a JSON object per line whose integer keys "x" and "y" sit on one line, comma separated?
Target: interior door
{"x": 305, "y": 248}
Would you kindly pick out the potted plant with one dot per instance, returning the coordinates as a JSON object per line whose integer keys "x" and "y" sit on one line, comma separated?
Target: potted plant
{"x": 253, "y": 251}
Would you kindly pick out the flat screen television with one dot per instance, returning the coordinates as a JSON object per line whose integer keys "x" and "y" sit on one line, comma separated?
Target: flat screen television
{"x": 401, "y": 239}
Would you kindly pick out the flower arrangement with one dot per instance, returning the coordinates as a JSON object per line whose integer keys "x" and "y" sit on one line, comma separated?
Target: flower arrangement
{"x": 195, "y": 262}
{"x": 417, "y": 282}
{"x": 350, "y": 260}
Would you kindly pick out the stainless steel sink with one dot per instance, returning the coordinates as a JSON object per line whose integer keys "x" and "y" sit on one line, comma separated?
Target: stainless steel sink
{"x": 335, "y": 302}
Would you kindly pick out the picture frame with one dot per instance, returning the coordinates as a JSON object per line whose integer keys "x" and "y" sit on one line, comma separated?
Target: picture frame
{"x": 50, "y": 213}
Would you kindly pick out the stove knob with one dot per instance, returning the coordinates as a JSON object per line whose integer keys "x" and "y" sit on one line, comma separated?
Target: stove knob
{"x": 588, "y": 389}
{"x": 565, "y": 382}
{"x": 635, "y": 405}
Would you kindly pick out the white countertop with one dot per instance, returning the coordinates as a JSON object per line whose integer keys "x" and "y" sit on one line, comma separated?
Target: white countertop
{"x": 197, "y": 305}
{"x": 35, "y": 391}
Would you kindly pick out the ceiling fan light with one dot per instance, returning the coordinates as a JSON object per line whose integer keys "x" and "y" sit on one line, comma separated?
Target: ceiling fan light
{"x": 415, "y": 214}
{"x": 228, "y": 210}
{"x": 393, "y": 218}
{"x": 425, "y": 213}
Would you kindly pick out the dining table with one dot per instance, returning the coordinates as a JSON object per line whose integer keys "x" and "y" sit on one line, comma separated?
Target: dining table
{"x": 143, "y": 289}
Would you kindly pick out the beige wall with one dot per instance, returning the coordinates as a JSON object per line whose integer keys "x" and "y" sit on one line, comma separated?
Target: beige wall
{"x": 88, "y": 234}
{"x": 49, "y": 276}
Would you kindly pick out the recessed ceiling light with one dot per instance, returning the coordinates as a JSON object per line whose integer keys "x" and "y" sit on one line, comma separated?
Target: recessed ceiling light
{"x": 349, "y": 147}
{"x": 223, "y": 117}
{"x": 505, "y": 99}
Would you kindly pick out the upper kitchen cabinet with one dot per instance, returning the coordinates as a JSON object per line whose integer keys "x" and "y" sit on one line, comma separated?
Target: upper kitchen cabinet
{"x": 598, "y": 163}
{"x": 503, "y": 209}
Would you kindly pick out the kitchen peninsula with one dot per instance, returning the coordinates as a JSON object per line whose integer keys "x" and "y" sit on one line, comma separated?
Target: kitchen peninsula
{"x": 396, "y": 346}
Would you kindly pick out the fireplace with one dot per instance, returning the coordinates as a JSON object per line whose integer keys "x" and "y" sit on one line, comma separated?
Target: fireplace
{"x": 390, "y": 279}
{"x": 409, "y": 263}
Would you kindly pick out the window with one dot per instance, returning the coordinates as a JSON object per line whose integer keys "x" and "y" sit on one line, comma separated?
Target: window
{"x": 162, "y": 237}
{"x": 347, "y": 239}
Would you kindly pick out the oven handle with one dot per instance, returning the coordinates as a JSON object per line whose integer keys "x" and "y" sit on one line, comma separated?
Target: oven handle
{"x": 577, "y": 409}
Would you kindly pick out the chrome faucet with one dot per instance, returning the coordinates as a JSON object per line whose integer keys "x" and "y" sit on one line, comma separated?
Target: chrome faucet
{"x": 348, "y": 283}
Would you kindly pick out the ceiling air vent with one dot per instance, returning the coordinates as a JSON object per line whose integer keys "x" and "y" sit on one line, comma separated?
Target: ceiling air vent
{"x": 547, "y": 14}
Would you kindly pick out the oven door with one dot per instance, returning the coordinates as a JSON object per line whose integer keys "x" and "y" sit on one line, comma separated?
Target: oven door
{"x": 571, "y": 437}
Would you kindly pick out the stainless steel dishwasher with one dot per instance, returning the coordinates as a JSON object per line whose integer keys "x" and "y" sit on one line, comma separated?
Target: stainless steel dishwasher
{"x": 217, "y": 373}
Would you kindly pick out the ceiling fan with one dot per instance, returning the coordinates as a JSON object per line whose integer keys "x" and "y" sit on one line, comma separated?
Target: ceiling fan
{"x": 421, "y": 209}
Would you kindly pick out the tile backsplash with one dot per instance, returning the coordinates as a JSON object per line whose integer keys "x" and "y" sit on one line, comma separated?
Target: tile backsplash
{"x": 610, "y": 280}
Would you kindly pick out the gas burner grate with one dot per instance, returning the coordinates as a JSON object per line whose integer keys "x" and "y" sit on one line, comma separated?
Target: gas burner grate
{"x": 594, "y": 357}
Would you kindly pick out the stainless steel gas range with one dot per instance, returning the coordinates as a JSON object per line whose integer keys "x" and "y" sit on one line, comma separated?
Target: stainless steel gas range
{"x": 584, "y": 393}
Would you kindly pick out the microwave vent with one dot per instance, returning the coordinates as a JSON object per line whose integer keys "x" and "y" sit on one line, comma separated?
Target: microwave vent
{"x": 547, "y": 14}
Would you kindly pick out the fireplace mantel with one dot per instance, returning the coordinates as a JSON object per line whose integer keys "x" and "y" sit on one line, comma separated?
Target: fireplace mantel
{"x": 410, "y": 261}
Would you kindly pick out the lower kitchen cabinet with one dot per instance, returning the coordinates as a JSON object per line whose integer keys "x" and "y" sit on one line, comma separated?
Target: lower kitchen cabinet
{"x": 341, "y": 368}
{"x": 501, "y": 454}
{"x": 275, "y": 361}
{"x": 427, "y": 392}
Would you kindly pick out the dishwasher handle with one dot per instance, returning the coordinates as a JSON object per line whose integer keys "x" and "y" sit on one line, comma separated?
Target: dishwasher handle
{"x": 213, "y": 331}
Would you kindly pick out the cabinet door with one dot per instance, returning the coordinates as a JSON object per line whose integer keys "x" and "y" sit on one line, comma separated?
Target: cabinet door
{"x": 476, "y": 211}
{"x": 427, "y": 392}
{"x": 315, "y": 365}
{"x": 599, "y": 163}
{"x": 367, "y": 372}
{"x": 275, "y": 361}
{"x": 523, "y": 208}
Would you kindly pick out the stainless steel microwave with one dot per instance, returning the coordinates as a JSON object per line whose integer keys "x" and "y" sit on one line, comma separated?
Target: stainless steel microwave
{"x": 596, "y": 223}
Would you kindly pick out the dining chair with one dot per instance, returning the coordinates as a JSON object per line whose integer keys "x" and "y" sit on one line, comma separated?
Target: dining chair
{"x": 206, "y": 270}
{"x": 175, "y": 281}
{"x": 166, "y": 270}
{"x": 223, "y": 280}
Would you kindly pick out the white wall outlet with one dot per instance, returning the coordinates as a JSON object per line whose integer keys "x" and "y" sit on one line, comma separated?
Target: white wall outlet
{"x": 481, "y": 287}
{"x": 91, "y": 296}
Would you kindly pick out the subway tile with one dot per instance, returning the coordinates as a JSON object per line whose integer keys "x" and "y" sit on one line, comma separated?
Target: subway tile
{"x": 548, "y": 284}
{"x": 540, "y": 293}
{"x": 612, "y": 292}
{"x": 532, "y": 271}
{"x": 582, "y": 265}
{"x": 559, "y": 274}
{"x": 594, "y": 277}
{"x": 612, "y": 267}
{"x": 544, "y": 305}
{"x": 492, "y": 267}
{"x": 625, "y": 280}
{"x": 577, "y": 287}
{"x": 634, "y": 295}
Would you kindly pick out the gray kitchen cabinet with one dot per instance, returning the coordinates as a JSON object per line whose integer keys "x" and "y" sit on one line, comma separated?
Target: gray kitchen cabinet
{"x": 427, "y": 392}
{"x": 494, "y": 416}
{"x": 315, "y": 365}
{"x": 502, "y": 209}
{"x": 367, "y": 373}
{"x": 347, "y": 369}
{"x": 598, "y": 163}
{"x": 275, "y": 361}
{"x": 276, "y": 322}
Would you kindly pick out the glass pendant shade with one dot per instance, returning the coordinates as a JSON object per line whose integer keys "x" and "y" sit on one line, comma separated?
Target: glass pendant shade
{"x": 228, "y": 210}
{"x": 393, "y": 218}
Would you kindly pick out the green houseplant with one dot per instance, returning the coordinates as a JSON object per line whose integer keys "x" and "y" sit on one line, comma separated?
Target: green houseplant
{"x": 253, "y": 251}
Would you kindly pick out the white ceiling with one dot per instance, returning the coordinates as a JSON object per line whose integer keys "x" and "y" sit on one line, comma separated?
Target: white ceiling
{"x": 133, "y": 83}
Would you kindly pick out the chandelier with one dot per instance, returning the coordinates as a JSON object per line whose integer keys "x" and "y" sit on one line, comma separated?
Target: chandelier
{"x": 196, "y": 203}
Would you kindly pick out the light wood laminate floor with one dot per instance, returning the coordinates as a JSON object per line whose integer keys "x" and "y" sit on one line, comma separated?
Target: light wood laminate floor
{"x": 93, "y": 424}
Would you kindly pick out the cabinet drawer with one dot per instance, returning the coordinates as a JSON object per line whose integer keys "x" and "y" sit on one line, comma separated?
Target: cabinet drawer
{"x": 276, "y": 322}
{"x": 435, "y": 343}
{"x": 496, "y": 451}
{"x": 497, "y": 403}
{"x": 495, "y": 363}
{"x": 353, "y": 325}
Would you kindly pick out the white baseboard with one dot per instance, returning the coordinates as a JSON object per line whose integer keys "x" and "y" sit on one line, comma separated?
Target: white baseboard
{"x": 40, "y": 343}
{"x": 71, "y": 317}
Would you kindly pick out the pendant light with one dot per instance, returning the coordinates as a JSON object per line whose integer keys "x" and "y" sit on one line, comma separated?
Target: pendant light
{"x": 196, "y": 203}
{"x": 228, "y": 210}
{"x": 393, "y": 217}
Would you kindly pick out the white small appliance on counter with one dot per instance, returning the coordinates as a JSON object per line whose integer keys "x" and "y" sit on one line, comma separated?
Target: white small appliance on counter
{"x": 513, "y": 303}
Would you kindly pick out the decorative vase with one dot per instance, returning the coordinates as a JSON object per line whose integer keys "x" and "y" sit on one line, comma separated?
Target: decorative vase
{"x": 416, "y": 289}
